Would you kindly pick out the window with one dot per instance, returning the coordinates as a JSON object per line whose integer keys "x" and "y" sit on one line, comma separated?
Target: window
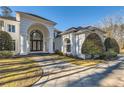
{"x": 54, "y": 46}
{"x": 1, "y": 24}
{"x": 11, "y": 28}
{"x": 36, "y": 41}
{"x": 13, "y": 45}
{"x": 68, "y": 45}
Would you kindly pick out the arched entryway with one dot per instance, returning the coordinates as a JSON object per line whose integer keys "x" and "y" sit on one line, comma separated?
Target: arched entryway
{"x": 92, "y": 45}
{"x": 111, "y": 43}
{"x": 38, "y": 38}
{"x": 36, "y": 41}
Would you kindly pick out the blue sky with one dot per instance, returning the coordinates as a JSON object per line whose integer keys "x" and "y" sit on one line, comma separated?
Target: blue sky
{"x": 67, "y": 16}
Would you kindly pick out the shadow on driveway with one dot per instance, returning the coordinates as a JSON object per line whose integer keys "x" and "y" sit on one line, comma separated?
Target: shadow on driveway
{"x": 93, "y": 80}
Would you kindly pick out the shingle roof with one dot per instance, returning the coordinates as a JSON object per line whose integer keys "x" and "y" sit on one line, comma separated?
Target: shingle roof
{"x": 80, "y": 29}
{"x": 72, "y": 28}
{"x": 9, "y": 18}
{"x": 36, "y": 16}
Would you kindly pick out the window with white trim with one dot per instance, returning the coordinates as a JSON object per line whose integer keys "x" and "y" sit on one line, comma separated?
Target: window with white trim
{"x": 11, "y": 28}
{"x": 68, "y": 45}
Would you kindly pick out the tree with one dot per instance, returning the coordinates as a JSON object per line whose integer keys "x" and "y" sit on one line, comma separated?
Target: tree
{"x": 6, "y": 11}
{"x": 5, "y": 41}
{"x": 114, "y": 27}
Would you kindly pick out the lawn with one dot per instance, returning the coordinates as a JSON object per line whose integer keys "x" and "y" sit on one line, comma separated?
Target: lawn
{"x": 81, "y": 62}
{"x": 19, "y": 72}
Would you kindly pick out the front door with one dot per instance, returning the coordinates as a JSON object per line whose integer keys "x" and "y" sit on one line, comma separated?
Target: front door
{"x": 36, "y": 41}
{"x": 36, "y": 45}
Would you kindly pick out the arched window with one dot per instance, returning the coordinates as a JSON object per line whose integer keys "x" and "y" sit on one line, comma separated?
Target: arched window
{"x": 68, "y": 45}
{"x": 36, "y": 35}
{"x": 36, "y": 41}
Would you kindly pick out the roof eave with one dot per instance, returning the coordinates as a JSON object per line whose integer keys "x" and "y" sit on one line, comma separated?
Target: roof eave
{"x": 54, "y": 23}
{"x": 9, "y": 19}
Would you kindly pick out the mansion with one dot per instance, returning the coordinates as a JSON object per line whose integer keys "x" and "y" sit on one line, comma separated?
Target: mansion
{"x": 35, "y": 34}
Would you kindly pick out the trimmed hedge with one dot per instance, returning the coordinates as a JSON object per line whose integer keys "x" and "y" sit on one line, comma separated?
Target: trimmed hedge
{"x": 111, "y": 43}
{"x": 4, "y": 54}
{"x": 5, "y": 41}
{"x": 110, "y": 54}
{"x": 59, "y": 52}
{"x": 92, "y": 45}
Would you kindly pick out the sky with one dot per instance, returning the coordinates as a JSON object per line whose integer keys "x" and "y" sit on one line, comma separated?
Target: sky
{"x": 71, "y": 16}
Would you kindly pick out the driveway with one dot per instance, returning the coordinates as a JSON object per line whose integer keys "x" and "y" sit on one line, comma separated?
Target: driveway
{"x": 64, "y": 74}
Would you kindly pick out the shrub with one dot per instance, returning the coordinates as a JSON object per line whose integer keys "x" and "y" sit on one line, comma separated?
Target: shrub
{"x": 110, "y": 54}
{"x": 91, "y": 48}
{"x": 6, "y": 54}
{"x": 5, "y": 41}
{"x": 111, "y": 43}
{"x": 59, "y": 52}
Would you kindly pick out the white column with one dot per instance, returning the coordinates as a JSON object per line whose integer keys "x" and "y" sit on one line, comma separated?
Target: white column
{"x": 23, "y": 40}
{"x": 62, "y": 48}
{"x": 28, "y": 43}
{"x": 51, "y": 37}
{"x": 80, "y": 41}
{"x": 21, "y": 44}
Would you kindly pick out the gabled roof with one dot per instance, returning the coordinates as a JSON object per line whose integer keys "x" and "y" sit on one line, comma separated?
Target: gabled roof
{"x": 9, "y": 18}
{"x": 72, "y": 28}
{"x": 30, "y": 14}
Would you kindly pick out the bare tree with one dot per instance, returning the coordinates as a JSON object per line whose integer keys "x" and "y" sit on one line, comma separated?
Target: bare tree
{"x": 114, "y": 28}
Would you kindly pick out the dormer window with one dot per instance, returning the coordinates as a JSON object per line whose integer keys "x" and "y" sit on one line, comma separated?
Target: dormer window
{"x": 1, "y": 25}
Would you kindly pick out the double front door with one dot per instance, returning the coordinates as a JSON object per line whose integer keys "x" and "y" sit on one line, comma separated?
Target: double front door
{"x": 36, "y": 41}
{"x": 36, "y": 45}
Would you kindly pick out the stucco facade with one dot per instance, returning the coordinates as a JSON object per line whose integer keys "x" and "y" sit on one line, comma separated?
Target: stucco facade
{"x": 16, "y": 35}
{"x": 77, "y": 38}
{"x": 29, "y": 23}
{"x": 24, "y": 24}
{"x": 35, "y": 34}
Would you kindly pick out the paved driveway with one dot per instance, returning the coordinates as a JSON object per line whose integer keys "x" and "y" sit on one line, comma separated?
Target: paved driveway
{"x": 63, "y": 74}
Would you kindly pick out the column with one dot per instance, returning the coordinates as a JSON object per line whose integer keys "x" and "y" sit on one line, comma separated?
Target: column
{"x": 23, "y": 43}
{"x": 51, "y": 37}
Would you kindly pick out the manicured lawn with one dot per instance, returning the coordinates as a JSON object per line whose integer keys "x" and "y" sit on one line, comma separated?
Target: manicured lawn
{"x": 18, "y": 72}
